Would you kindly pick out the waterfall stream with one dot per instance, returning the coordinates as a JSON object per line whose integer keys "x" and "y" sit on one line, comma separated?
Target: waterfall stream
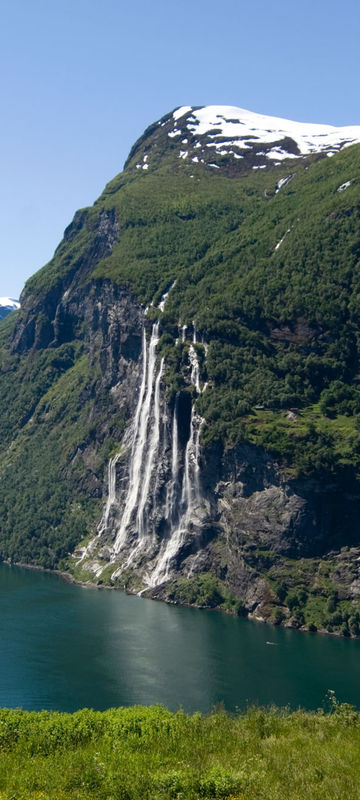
{"x": 173, "y": 497}
{"x": 145, "y": 441}
{"x": 154, "y": 438}
{"x": 111, "y": 491}
{"x": 191, "y": 491}
{"x": 172, "y": 489}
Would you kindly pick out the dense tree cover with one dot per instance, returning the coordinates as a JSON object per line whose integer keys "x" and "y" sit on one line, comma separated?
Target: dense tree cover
{"x": 271, "y": 280}
{"x": 45, "y": 407}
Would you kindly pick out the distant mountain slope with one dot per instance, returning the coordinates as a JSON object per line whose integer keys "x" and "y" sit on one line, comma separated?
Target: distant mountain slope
{"x": 180, "y": 389}
{"x": 7, "y": 304}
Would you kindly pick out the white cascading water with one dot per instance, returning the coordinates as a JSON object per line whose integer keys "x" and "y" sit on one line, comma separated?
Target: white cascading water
{"x": 145, "y": 440}
{"x": 165, "y": 296}
{"x": 153, "y": 445}
{"x": 145, "y": 436}
{"x": 195, "y": 368}
{"x": 183, "y": 492}
{"x": 191, "y": 490}
{"x": 111, "y": 492}
{"x": 111, "y": 499}
{"x": 172, "y": 489}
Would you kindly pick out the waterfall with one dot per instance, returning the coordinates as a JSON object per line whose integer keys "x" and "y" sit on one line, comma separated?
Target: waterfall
{"x": 189, "y": 505}
{"x": 190, "y": 496}
{"x": 148, "y": 466}
{"x": 163, "y": 489}
{"x": 111, "y": 491}
{"x": 88, "y": 551}
{"x": 145, "y": 441}
{"x": 194, "y": 362}
{"x": 191, "y": 487}
{"x": 190, "y": 501}
{"x": 165, "y": 296}
{"x": 195, "y": 368}
{"x": 172, "y": 489}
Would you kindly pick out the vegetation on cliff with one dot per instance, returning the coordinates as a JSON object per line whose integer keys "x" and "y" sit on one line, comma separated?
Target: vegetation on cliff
{"x": 281, "y": 320}
{"x": 271, "y": 278}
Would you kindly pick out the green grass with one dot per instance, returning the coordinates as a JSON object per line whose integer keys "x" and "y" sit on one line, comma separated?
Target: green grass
{"x": 151, "y": 754}
{"x": 304, "y": 432}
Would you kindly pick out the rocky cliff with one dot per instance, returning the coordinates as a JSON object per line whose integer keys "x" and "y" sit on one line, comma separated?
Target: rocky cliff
{"x": 180, "y": 405}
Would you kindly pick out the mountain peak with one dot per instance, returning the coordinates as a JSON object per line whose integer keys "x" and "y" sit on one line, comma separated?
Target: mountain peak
{"x": 228, "y": 137}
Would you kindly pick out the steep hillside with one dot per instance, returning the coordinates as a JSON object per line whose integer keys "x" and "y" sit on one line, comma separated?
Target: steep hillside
{"x": 180, "y": 390}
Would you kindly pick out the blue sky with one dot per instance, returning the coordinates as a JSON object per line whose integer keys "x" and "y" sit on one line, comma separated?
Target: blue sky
{"x": 81, "y": 79}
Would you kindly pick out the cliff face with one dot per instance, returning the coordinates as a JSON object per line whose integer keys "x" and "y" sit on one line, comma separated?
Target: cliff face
{"x": 244, "y": 521}
{"x": 180, "y": 406}
{"x": 52, "y": 316}
{"x": 248, "y": 517}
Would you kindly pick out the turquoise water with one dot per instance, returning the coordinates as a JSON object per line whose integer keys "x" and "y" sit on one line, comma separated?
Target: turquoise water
{"x": 64, "y": 647}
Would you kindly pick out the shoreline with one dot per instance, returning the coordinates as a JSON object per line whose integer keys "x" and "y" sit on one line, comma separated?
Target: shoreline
{"x": 67, "y": 577}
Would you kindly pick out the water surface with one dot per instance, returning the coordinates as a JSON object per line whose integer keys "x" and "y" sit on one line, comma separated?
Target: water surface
{"x": 64, "y": 647}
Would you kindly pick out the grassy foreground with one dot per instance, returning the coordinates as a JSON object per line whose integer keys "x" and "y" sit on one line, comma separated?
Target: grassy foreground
{"x": 141, "y": 753}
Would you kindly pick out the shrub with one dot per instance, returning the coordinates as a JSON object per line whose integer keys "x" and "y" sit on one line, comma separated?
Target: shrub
{"x": 279, "y": 616}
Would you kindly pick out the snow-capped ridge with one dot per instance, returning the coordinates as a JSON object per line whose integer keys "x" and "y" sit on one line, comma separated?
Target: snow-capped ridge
{"x": 229, "y": 127}
{"x": 9, "y": 302}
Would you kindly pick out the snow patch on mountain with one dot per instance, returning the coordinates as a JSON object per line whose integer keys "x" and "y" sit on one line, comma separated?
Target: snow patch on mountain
{"x": 344, "y": 186}
{"x": 9, "y": 302}
{"x": 229, "y": 127}
{"x": 181, "y": 111}
{"x": 282, "y": 239}
{"x": 283, "y": 181}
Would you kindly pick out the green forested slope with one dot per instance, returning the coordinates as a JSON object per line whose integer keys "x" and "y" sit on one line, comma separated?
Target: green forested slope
{"x": 282, "y": 327}
{"x": 282, "y": 324}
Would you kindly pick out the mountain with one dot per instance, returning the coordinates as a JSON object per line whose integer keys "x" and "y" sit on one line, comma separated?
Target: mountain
{"x": 7, "y": 304}
{"x": 226, "y": 137}
{"x": 180, "y": 399}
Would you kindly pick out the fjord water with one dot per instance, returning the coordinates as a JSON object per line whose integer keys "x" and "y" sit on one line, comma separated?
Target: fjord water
{"x": 64, "y": 647}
